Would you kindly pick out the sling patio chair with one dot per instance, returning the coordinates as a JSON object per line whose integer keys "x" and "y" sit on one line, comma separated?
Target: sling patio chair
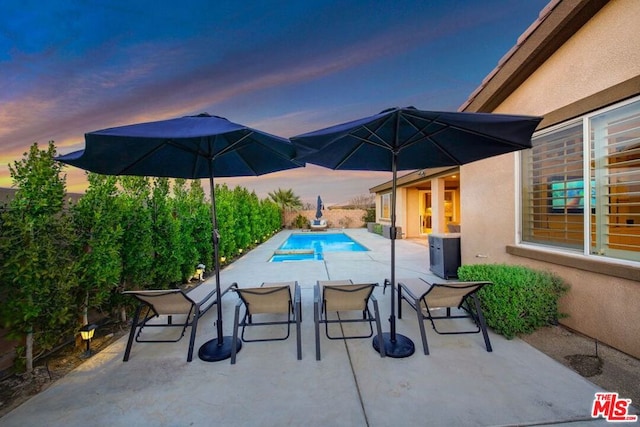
{"x": 428, "y": 299}
{"x": 269, "y": 301}
{"x": 341, "y": 296}
{"x": 318, "y": 225}
{"x": 170, "y": 308}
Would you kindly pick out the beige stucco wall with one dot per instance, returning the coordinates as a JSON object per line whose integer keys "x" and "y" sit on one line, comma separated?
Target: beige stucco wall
{"x": 487, "y": 206}
{"x": 401, "y": 214}
{"x": 335, "y": 218}
{"x": 603, "y": 53}
{"x": 412, "y": 221}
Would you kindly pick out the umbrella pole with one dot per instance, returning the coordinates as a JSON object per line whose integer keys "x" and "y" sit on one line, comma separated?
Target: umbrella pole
{"x": 395, "y": 345}
{"x": 219, "y": 348}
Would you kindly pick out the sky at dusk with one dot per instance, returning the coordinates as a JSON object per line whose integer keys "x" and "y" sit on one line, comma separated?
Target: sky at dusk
{"x": 71, "y": 67}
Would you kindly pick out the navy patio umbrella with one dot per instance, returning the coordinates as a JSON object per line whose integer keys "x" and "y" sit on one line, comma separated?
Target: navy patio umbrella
{"x": 319, "y": 208}
{"x": 409, "y": 139}
{"x": 191, "y": 147}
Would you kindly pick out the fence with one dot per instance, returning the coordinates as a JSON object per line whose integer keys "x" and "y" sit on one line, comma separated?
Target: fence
{"x": 336, "y": 218}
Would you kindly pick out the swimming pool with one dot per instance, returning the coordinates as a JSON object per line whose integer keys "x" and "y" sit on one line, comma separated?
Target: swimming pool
{"x": 312, "y": 246}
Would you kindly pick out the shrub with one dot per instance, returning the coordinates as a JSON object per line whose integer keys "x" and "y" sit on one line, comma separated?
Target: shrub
{"x": 520, "y": 300}
{"x": 300, "y": 221}
{"x": 377, "y": 228}
{"x": 370, "y": 215}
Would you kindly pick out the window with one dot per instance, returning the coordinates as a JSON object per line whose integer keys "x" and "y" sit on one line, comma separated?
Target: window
{"x": 586, "y": 197}
{"x": 385, "y": 206}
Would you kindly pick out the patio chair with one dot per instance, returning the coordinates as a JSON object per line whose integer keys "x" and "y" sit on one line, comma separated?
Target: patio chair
{"x": 170, "y": 304}
{"x": 268, "y": 300}
{"x": 318, "y": 224}
{"x": 341, "y": 296}
{"x": 432, "y": 297}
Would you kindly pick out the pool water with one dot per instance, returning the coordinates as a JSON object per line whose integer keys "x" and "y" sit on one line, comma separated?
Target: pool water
{"x": 296, "y": 257}
{"x": 312, "y": 246}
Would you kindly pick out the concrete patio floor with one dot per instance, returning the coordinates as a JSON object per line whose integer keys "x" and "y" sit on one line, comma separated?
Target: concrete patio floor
{"x": 459, "y": 384}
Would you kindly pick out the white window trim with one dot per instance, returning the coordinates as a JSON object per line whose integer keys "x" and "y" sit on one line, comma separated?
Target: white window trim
{"x": 585, "y": 120}
{"x": 382, "y": 197}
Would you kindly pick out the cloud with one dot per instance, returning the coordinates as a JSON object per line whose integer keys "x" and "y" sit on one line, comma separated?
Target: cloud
{"x": 287, "y": 71}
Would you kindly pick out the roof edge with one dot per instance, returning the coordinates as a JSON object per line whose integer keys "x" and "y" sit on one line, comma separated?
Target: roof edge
{"x": 556, "y": 23}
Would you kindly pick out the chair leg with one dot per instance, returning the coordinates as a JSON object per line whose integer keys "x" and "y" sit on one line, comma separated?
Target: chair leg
{"x": 483, "y": 324}
{"x": 316, "y": 318}
{"x": 134, "y": 326}
{"x": 399, "y": 302}
{"x": 376, "y": 312}
{"x": 192, "y": 339}
{"x": 234, "y": 338}
{"x": 423, "y": 333}
{"x": 298, "y": 309}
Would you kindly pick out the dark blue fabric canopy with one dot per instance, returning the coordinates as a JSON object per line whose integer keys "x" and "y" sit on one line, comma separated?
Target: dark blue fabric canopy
{"x": 188, "y": 147}
{"x": 319, "y": 208}
{"x": 408, "y": 139}
{"x": 420, "y": 139}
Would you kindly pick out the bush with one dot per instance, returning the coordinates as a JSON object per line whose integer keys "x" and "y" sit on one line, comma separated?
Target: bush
{"x": 520, "y": 300}
{"x": 300, "y": 221}
{"x": 377, "y": 228}
{"x": 369, "y": 216}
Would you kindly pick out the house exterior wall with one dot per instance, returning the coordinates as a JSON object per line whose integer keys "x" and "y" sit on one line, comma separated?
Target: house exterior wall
{"x": 379, "y": 218}
{"x": 412, "y": 227}
{"x": 602, "y": 54}
{"x": 401, "y": 213}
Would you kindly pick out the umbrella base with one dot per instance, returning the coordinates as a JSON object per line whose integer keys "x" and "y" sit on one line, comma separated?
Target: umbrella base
{"x": 212, "y": 351}
{"x": 398, "y": 348}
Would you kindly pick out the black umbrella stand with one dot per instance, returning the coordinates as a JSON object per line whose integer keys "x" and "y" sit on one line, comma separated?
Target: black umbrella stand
{"x": 395, "y": 345}
{"x": 218, "y": 348}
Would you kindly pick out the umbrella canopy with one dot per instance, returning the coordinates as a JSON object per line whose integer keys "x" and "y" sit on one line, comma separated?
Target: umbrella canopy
{"x": 407, "y": 139}
{"x": 189, "y": 147}
{"x": 192, "y": 147}
{"x": 319, "y": 208}
{"x": 420, "y": 139}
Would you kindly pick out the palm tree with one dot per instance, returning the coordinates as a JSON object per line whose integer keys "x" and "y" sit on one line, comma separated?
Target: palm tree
{"x": 286, "y": 199}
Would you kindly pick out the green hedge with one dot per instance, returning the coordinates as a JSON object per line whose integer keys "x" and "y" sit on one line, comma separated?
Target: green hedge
{"x": 520, "y": 300}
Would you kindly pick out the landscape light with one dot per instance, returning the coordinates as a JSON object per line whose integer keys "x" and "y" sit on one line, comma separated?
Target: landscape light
{"x": 86, "y": 332}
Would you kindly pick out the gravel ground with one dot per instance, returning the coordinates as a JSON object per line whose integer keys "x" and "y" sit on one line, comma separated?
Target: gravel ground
{"x": 610, "y": 369}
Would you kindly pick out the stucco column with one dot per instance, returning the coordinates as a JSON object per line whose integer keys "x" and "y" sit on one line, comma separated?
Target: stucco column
{"x": 437, "y": 205}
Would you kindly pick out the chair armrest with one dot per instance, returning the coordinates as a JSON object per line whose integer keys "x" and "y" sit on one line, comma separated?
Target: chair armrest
{"x": 297, "y": 297}
{"x": 405, "y": 290}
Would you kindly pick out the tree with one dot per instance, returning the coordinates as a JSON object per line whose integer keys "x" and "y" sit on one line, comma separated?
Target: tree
{"x": 257, "y": 219}
{"x": 96, "y": 221}
{"x": 226, "y": 218}
{"x": 137, "y": 239}
{"x": 165, "y": 236}
{"x": 287, "y": 200}
{"x": 202, "y": 227}
{"x": 272, "y": 214}
{"x": 363, "y": 201}
{"x": 184, "y": 210}
{"x": 37, "y": 271}
{"x": 242, "y": 230}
